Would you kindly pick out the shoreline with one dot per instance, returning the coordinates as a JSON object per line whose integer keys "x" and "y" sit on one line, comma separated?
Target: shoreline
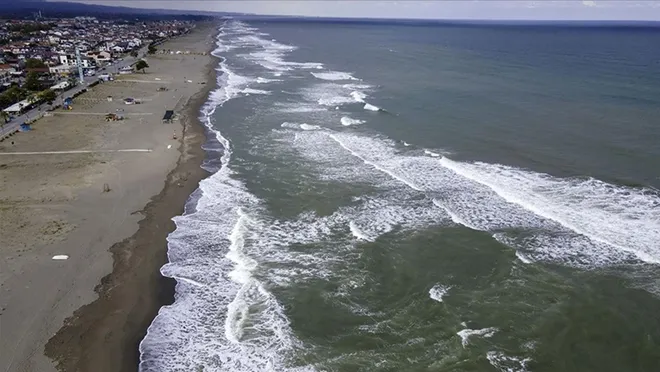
{"x": 105, "y": 334}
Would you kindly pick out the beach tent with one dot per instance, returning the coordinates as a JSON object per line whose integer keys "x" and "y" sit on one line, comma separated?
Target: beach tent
{"x": 67, "y": 103}
{"x": 167, "y": 118}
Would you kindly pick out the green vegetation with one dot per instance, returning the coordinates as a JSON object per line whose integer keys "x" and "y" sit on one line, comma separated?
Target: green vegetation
{"x": 34, "y": 63}
{"x": 32, "y": 82}
{"x": 134, "y": 53}
{"x": 141, "y": 65}
{"x": 72, "y": 80}
{"x": 5, "y": 119}
{"x": 32, "y": 98}
{"x": 47, "y": 95}
{"x": 29, "y": 28}
{"x": 152, "y": 49}
{"x": 11, "y": 96}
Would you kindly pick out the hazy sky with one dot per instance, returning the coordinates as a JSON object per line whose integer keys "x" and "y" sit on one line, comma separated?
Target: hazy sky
{"x": 442, "y": 9}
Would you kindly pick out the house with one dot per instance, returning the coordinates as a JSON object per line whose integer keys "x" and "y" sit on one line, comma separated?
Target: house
{"x": 71, "y": 60}
{"x": 65, "y": 58}
{"x": 60, "y": 69}
{"x": 6, "y": 73}
{"x": 98, "y": 57}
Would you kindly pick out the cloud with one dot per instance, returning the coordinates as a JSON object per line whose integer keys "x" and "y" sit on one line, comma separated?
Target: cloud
{"x": 589, "y": 3}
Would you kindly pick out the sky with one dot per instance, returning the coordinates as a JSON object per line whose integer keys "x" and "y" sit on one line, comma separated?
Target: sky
{"x": 438, "y": 9}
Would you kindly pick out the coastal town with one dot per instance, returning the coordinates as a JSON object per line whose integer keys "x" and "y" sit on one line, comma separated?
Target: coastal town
{"x": 41, "y": 59}
{"x": 100, "y": 147}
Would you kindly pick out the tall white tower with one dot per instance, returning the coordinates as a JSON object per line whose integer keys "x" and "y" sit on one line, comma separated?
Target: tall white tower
{"x": 81, "y": 76}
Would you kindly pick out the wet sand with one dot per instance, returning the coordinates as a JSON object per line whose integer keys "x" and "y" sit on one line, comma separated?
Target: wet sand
{"x": 109, "y": 212}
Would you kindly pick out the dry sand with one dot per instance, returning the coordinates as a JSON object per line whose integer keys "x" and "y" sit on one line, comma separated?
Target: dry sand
{"x": 58, "y": 204}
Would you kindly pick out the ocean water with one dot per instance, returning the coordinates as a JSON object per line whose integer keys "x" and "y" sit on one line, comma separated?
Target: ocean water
{"x": 422, "y": 198}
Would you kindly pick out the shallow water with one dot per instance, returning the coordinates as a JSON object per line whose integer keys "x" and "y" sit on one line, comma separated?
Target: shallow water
{"x": 389, "y": 198}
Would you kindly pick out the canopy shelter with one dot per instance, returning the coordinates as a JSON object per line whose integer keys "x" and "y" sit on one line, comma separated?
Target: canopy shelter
{"x": 17, "y": 107}
{"x": 167, "y": 118}
{"x": 60, "y": 86}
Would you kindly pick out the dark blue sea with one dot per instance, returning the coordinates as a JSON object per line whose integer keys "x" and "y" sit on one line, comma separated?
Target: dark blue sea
{"x": 409, "y": 197}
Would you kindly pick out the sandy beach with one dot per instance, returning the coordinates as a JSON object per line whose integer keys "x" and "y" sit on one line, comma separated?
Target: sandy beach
{"x": 102, "y": 194}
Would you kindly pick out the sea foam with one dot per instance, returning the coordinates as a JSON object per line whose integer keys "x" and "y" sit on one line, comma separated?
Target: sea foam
{"x": 217, "y": 290}
{"x": 438, "y": 292}
{"x": 347, "y": 121}
{"x": 333, "y": 75}
{"x": 561, "y": 215}
{"x": 466, "y": 334}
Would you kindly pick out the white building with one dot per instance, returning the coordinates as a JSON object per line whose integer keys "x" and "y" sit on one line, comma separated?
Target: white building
{"x": 60, "y": 69}
{"x": 101, "y": 56}
{"x": 64, "y": 59}
{"x": 71, "y": 61}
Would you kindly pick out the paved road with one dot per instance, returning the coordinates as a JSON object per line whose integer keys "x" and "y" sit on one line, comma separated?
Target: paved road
{"x": 13, "y": 125}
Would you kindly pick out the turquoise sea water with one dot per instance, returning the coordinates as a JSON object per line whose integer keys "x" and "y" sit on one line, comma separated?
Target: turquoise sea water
{"x": 422, "y": 198}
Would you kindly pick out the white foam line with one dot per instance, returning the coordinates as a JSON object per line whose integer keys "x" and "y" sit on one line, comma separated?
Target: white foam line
{"x": 454, "y": 217}
{"x": 190, "y": 281}
{"x": 447, "y": 163}
{"x": 384, "y": 170}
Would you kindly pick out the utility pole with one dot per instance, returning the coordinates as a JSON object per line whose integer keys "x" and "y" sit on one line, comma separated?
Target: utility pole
{"x": 81, "y": 76}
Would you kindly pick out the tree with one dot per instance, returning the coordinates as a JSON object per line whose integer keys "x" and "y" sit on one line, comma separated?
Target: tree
{"x": 5, "y": 101}
{"x": 12, "y": 95}
{"x": 34, "y": 63}
{"x": 152, "y": 49}
{"x": 5, "y": 118}
{"x": 72, "y": 81}
{"x": 47, "y": 95}
{"x": 32, "y": 81}
{"x": 141, "y": 65}
{"x": 134, "y": 53}
{"x": 33, "y": 98}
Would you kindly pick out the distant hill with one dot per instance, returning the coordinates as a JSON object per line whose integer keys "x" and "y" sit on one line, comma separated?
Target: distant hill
{"x": 25, "y": 8}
